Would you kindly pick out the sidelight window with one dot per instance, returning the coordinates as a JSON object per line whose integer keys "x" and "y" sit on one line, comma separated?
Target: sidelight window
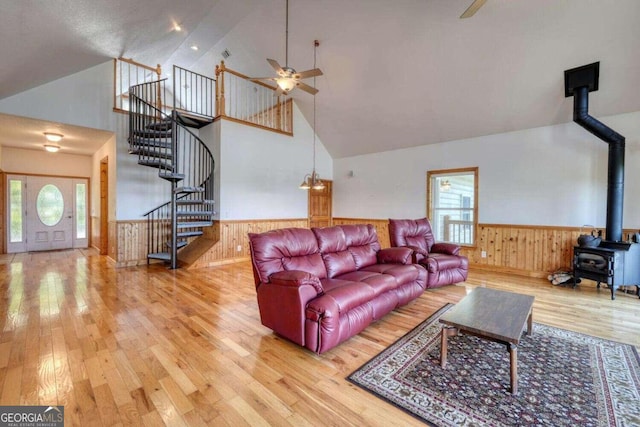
{"x": 452, "y": 199}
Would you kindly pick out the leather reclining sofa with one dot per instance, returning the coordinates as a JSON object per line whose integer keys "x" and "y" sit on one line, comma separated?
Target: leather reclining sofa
{"x": 318, "y": 287}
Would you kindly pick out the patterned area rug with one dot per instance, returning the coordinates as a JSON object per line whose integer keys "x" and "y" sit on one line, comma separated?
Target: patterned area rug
{"x": 565, "y": 379}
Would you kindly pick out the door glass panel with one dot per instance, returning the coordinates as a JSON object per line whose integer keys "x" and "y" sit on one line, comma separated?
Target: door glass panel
{"x": 81, "y": 211}
{"x": 15, "y": 202}
{"x": 50, "y": 205}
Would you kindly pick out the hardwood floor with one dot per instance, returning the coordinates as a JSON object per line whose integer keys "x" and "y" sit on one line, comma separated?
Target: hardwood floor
{"x": 151, "y": 346}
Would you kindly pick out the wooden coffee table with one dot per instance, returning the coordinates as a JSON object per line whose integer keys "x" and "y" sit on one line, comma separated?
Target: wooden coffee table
{"x": 493, "y": 315}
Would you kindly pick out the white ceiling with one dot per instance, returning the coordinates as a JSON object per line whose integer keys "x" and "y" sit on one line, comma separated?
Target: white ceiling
{"x": 397, "y": 73}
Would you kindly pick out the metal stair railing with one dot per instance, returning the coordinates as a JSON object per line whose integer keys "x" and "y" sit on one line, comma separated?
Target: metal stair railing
{"x": 193, "y": 92}
{"x": 161, "y": 141}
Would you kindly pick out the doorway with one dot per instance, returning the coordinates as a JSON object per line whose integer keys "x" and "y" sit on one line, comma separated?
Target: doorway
{"x": 321, "y": 206}
{"x": 46, "y": 213}
{"x": 104, "y": 206}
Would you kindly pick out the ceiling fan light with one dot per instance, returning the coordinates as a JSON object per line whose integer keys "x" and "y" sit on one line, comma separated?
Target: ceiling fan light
{"x": 51, "y": 148}
{"x": 53, "y": 137}
{"x": 286, "y": 83}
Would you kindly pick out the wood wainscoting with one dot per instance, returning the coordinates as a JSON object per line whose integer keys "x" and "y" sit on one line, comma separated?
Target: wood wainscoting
{"x": 526, "y": 250}
{"x": 128, "y": 240}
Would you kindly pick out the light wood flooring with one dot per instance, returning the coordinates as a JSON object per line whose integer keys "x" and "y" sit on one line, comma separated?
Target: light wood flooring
{"x": 152, "y": 346}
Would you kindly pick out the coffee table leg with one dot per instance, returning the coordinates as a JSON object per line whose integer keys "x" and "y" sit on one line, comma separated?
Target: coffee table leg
{"x": 530, "y": 323}
{"x": 447, "y": 331}
{"x": 513, "y": 355}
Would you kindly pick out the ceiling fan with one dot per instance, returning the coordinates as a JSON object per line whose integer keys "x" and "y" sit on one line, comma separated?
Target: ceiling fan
{"x": 288, "y": 78}
{"x": 471, "y": 10}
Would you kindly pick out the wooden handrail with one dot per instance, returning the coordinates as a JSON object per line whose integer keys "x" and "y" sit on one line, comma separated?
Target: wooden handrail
{"x": 131, "y": 76}
{"x": 157, "y": 69}
{"x": 257, "y": 107}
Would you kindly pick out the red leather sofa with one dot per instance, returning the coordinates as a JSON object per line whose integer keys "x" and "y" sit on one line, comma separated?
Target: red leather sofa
{"x": 442, "y": 260}
{"x": 318, "y": 287}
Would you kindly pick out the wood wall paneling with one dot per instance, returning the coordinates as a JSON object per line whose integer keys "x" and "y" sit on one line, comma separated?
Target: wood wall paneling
{"x": 526, "y": 250}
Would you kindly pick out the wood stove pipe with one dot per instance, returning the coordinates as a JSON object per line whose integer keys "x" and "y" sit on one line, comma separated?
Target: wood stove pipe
{"x": 615, "y": 178}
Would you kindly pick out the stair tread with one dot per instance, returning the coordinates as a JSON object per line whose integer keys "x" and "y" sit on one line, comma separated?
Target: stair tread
{"x": 194, "y": 213}
{"x": 152, "y": 153}
{"x": 155, "y": 163}
{"x": 165, "y": 256}
{"x": 162, "y": 125}
{"x": 151, "y": 133}
{"x": 189, "y": 234}
{"x": 194, "y": 224}
{"x": 172, "y": 176}
{"x": 188, "y": 189}
{"x": 195, "y": 202}
{"x": 149, "y": 143}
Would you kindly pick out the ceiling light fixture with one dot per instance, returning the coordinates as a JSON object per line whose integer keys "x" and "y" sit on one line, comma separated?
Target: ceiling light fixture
{"x": 194, "y": 47}
{"x": 177, "y": 27}
{"x": 51, "y": 148}
{"x": 313, "y": 181}
{"x": 53, "y": 137}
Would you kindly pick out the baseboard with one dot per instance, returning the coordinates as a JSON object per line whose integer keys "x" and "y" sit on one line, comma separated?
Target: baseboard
{"x": 514, "y": 271}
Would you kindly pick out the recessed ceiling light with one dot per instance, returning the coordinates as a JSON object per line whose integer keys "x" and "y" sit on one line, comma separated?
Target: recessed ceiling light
{"x": 194, "y": 47}
{"x": 53, "y": 137}
{"x": 51, "y": 148}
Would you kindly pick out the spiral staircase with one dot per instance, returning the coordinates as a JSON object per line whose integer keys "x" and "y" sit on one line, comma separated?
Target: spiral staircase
{"x": 162, "y": 138}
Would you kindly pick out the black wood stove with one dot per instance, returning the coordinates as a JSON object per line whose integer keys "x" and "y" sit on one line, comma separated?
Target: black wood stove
{"x": 613, "y": 262}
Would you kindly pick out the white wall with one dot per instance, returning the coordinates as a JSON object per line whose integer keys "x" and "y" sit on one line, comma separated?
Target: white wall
{"x": 41, "y": 162}
{"x": 553, "y": 175}
{"x": 260, "y": 171}
{"x": 86, "y": 99}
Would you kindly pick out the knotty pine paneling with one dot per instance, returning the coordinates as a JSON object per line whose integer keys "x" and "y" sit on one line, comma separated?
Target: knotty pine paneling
{"x": 128, "y": 240}
{"x": 234, "y": 234}
{"x": 526, "y": 250}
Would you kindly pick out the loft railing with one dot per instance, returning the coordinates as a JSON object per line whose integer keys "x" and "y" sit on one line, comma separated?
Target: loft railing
{"x": 193, "y": 93}
{"x": 239, "y": 99}
{"x": 127, "y": 73}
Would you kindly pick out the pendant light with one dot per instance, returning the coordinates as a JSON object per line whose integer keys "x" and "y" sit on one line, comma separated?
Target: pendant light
{"x": 313, "y": 181}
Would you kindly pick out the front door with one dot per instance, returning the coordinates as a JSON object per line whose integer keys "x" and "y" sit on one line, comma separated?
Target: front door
{"x": 46, "y": 213}
{"x": 49, "y": 213}
{"x": 320, "y": 206}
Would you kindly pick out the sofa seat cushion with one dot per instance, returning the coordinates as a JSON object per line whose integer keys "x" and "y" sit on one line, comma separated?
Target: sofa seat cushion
{"x": 402, "y": 273}
{"x": 439, "y": 262}
{"x": 340, "y": 296}
{"x": 380, "y": 283}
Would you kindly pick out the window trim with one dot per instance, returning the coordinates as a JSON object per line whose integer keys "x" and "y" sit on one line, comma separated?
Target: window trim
{"x": 440, "y": 172}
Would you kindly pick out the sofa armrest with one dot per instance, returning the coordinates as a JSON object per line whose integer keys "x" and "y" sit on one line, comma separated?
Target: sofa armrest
{"x": 399, "y": 255}
{"x": 445, "y": 248}
{"x": 296, "y": 278}
{"x": 283, "y": 300}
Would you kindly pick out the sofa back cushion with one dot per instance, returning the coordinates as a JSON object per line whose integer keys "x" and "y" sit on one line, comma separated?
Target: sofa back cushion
{"x": 284, "y": 250}
{"x": 411, "y": 232}
{"x": 347, "y": 248}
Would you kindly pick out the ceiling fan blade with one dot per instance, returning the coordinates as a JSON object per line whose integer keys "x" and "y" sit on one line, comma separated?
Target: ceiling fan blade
{"x": 306, "y": 74}
{"x": 471, "y": 10}
{"x": 276, "y": 66}
{"x": 306, "y": 88}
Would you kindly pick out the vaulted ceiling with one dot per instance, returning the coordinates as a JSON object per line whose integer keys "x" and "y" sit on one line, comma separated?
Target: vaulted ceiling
{"x": 397, "y": 73}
